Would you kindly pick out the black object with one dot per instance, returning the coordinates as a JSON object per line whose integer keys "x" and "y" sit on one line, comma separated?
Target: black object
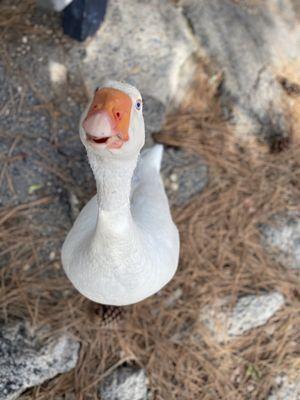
{"x": 82, "y": 18}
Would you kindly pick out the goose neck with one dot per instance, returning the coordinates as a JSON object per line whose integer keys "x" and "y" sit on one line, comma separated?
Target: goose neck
{"x": 113, "y": 180}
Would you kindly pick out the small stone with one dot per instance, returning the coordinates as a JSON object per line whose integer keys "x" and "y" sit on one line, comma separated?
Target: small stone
{"x": 52, "y": 255}
{"x": 58, "y": 72}
{"x": 282, "y": 238}
{"x": 250, "y": 312}
{"x": 288, "y": 389}
{"x": 174, "y": 296}
{"x": 174, "y": 186}
{"x": 26, "y": 267}
{"x": 125, "y": 383}
{"x": 26, "y": 362}
{"x": 279, "y": 380}
{"x": 24, "y": 39}
{"x": 250, "y": 388}
{"x": 57, "y": 266}
{"x": 173, "y": 178}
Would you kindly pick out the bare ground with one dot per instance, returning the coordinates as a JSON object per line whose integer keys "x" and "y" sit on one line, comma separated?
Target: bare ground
{"x": 221, "y": 255}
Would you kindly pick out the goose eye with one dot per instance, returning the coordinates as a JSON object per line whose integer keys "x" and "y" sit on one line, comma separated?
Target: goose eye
{"x": 138, "y": 104}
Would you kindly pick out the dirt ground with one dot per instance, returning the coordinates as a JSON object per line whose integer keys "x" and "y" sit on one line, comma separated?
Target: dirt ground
{"x": 221, "y": 251}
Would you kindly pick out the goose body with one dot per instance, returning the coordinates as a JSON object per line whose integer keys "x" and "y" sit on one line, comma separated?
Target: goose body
{"x": 124, "y": 246}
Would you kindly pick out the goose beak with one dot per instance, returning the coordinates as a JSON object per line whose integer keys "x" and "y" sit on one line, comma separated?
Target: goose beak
{"x": 108, "y": 118}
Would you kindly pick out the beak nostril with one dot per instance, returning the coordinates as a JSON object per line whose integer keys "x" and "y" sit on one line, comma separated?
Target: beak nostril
{"x": 118, "y": 115}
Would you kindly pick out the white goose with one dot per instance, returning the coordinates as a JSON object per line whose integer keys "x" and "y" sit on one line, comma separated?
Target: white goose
{"x": 124, "y": 246}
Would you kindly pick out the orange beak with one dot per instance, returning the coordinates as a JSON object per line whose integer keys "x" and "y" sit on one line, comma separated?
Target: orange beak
{"x": 108, "y": 118}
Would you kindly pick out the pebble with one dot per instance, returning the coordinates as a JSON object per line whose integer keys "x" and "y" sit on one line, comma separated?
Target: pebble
{"x": 250, "y": 388}
{"x": 281, "y": 237}
{"x": 288, "y": 388}
{"x": 174, "y": 186}
{"x": 57, "y": 266}
{"x": 26, "y": 267}
{"x": 125, "y": 383}
{"x": 174, "y": 177}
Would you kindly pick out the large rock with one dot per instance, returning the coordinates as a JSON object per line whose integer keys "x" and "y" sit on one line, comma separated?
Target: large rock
{"x": 251, "y": 44}
{"x": 287, "y": 389}
{"x": 282, "y": 238}
{"x": 125, "y": 383}
{"x": 145, "y": 44}
{"x": 25, "y": 362}
{"x": 185, "y": 175}
{"x": 250, "y": 312}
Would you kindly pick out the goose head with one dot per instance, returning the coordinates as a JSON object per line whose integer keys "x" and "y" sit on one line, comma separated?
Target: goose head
{"x": 112, "y": 125}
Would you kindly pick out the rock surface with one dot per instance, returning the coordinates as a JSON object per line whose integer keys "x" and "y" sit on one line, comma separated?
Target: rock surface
{"x": 25, "y": 362}
{"x": 145, "y": 44}
{"x": 125, "y": 383}
{"x": 184, "y": 175}
{"x": 250, "y": 43}
{"x": 282, "y": 238}
{"x": 250, "y": 312}
{"x": 286, "y": 390}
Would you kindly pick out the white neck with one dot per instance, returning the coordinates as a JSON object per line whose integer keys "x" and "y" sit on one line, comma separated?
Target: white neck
{"x": 113, "y": 181}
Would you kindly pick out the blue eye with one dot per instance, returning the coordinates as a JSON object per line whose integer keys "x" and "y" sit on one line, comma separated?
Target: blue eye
{"x": 138, "y": 104}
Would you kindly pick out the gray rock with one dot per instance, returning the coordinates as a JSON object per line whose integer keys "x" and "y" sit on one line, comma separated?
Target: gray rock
{"x": 245, "y": 41}
{"x": 286, "y": 390}
{"x": 144, "y": 43}
{"x": 282, "y": 238}
{"x": 25, "y": 362}
{"x": 154, "y": 114}
{"x": 184, "y": 175}
{"x": 125, "y": 383}
{"x": 250, "y": 312}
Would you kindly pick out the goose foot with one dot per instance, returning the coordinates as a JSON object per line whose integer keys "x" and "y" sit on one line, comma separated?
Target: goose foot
{"x": 106, "y": 315}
